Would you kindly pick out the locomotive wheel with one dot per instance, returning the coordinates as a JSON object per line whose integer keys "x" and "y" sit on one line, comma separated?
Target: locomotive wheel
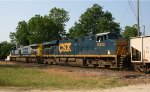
{"x": 139, "y": 68}
{"x": 51, "y": 63}
{"x": 147, "y": 70}
{"x": 136, "y": 68}
{"x": 107, "y": 66}
{"x": 39, "y": 60}
{"x": 66, "y": 62}
{"x": 85, "y": 62}
{"x": 46, "y": 62}
{"x": 27, "y": 59}
{"x": 95, "y": 65}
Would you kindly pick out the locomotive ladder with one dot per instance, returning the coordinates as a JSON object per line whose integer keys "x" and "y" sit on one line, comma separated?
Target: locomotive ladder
{"x": 121, "y": 52}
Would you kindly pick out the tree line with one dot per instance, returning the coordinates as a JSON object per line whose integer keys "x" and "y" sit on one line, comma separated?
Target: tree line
{"x": 41, "y": 29}
{"x": 50, "y": 27}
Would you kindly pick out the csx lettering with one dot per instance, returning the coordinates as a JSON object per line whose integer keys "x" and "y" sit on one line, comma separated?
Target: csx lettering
{"x": 100, "y": 44}
{"x": 64, "y": 47}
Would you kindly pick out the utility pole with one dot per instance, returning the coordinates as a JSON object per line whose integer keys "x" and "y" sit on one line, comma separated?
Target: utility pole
{"x": 144, "y": 30}
{"x": 138, "y": 22}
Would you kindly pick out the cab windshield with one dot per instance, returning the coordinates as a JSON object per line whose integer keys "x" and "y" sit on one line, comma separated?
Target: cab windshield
{"x": 101, "y": 38}
{"x": 113, "y": 36}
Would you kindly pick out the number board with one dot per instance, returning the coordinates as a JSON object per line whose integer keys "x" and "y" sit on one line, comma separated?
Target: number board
{"x": 100, "y": 44}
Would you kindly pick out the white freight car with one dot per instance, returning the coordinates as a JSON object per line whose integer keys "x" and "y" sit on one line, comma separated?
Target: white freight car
{"x": 140, "y": 53}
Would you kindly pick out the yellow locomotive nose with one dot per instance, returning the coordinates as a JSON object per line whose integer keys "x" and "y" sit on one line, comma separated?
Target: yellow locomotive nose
{"x": 40, "y": 48}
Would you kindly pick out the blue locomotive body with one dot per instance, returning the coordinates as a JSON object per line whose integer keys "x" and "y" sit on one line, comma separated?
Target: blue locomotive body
{"x": 100, "y": 44}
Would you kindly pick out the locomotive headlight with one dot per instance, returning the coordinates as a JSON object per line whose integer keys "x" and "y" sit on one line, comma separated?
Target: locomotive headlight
{"x": 108, "y": 52}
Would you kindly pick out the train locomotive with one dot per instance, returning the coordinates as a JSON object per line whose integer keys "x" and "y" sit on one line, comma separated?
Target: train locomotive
{"x": 99, "y": 50}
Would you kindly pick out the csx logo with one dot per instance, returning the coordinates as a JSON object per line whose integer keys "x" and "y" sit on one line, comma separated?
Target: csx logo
{"x": 25, "y": 50}
{"x": 64, "y": 47}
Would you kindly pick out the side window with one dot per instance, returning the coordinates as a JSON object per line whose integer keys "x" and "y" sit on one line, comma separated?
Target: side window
{"x": 105, "y": 37}
{"x": 113, "y": 36}
{"x": 99, "y": 38}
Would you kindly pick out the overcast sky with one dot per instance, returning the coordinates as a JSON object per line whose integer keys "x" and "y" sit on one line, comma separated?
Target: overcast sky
{"x": 13, "y": 11}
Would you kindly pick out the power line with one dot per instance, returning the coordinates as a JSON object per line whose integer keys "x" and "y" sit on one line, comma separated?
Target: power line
{"x": 132, "y": 9}
{"x": 122, "y": 18}
{"x": 132, "y": 5}
{"x": 141, "y": 21}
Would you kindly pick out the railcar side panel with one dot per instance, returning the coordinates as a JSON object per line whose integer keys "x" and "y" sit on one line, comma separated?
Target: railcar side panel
{"x": 140, "y": 49}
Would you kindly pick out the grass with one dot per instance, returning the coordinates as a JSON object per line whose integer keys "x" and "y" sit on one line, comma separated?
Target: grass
{"x": 15, "y": 76}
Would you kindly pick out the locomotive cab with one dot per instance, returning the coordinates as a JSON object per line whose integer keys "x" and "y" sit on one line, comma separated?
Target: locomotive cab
{"x": 106, "y": 43}
{"x": 101, "y": 37}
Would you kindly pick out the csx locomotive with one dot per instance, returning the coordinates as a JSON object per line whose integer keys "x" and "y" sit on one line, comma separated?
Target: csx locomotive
{"x": 100, "y": 50}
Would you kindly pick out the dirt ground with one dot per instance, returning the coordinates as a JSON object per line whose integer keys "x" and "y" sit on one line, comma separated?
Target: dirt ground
{"x": 139, "y": 82}
{"x": 132, "y": 88}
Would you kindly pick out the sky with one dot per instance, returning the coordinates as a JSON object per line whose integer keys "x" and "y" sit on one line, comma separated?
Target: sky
{"x": 13, "y": 11}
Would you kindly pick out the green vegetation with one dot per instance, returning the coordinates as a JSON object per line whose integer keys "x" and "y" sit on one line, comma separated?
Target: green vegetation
{"x": 50, "y": 27}
{"x": 11, "y": 75}
{"x": 94, "y": 20}
{"x": 41, "y": 29}
{"x": 130, "y": 31}
{"x": 5, "y": 48}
